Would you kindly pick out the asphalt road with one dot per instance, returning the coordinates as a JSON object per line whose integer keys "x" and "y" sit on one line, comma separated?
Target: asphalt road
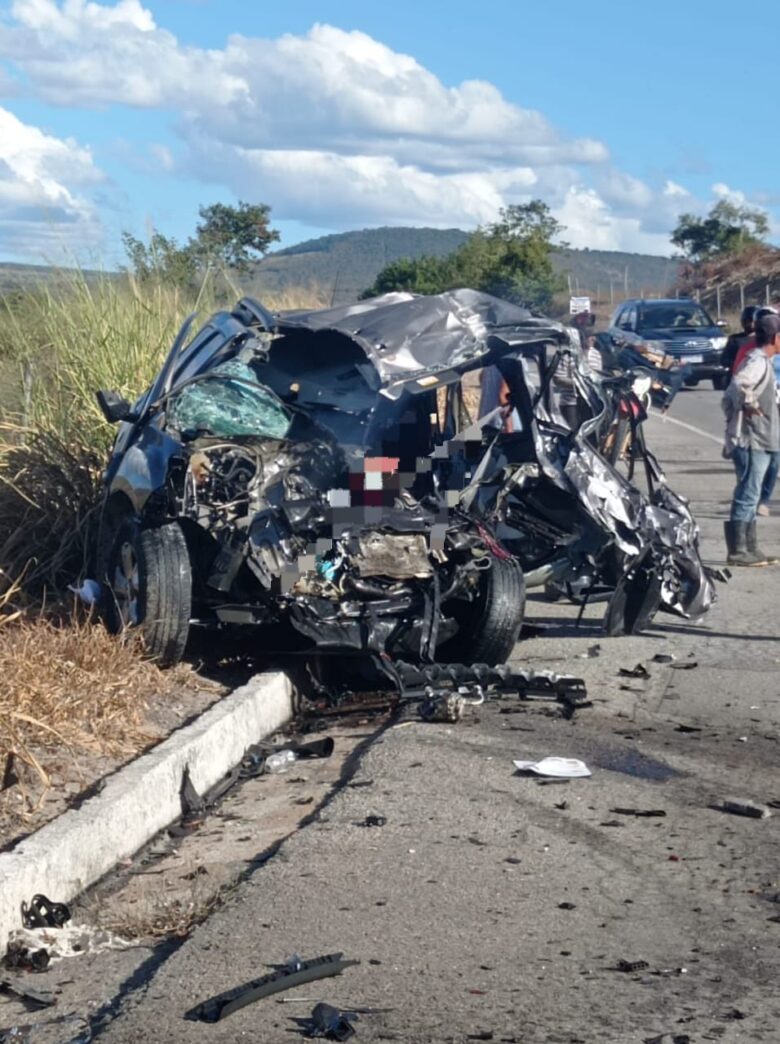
{"x": 490, "y": 907}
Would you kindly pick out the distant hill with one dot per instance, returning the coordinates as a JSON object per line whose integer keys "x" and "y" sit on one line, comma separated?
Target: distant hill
{"x": 341, "y": 266}
{"x": 15, "y": 277}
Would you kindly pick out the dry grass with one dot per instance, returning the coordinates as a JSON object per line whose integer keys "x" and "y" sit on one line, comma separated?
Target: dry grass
{"x": 70, "y": 686}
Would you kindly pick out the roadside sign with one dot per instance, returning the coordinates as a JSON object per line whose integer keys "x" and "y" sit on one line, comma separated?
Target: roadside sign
{"x": 579, "y": 304}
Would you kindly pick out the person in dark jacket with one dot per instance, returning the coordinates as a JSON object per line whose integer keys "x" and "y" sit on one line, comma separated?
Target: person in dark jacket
{"x": 736, "y": 340}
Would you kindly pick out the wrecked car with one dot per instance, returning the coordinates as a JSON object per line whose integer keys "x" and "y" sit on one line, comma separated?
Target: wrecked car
{"x": 279, "y": 474}
{"x": 317, "y": 474}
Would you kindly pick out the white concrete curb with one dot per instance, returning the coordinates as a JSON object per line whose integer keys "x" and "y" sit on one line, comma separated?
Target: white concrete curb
{"x": 80, "y": 846}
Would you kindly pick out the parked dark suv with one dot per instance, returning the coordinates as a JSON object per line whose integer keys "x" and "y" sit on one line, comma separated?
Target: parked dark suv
{"x": 680, "y": 328}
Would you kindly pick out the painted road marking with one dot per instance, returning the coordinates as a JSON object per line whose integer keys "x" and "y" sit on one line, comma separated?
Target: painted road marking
{"x": 666, "y": 419}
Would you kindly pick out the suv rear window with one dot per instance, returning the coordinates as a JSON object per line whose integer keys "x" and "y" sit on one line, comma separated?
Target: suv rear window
{"x": 685, "y": 315}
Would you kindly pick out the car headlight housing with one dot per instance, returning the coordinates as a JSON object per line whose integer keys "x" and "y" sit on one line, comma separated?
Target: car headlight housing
{"x": 719, "y": 343}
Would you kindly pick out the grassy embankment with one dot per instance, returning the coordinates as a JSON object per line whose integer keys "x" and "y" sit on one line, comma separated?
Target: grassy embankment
{"x": 65, "y": 681}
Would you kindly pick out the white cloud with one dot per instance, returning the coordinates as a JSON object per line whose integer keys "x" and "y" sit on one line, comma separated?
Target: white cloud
{"x": 45, "y": 181}
{"x": 332, "y": 127}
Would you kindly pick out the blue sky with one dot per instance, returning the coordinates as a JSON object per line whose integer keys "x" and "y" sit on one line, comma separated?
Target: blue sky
{"x": 127, "y": 115}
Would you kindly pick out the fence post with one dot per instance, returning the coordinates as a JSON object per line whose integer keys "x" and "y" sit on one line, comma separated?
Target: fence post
{"x": 742, "y": 295}
{"x": 717, "y": 291}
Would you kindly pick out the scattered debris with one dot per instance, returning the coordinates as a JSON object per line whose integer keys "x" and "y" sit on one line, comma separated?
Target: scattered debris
{"x": 280, "y": 762}
{"x": 68, "y": 941}
{"x": 284, "y": 978}
{"x": 42, "y": 912}
{"x": 648, "y": 813}
{"x": 663, "y": 658}
{"x": 567, "y": 906}
{"x": 445, "y": 707}
{"x": 25, "y": 958}
{"x": 32, "y": 998}
{"x": 89, "y": 591}
{"x": 686, "y": 665}
{"x": 739, "y": 807}
{"x": 640, "y": 671}
{"x": 373, "y": 821}
{"x": 592, "y": 652}
{"x": 562, "y": 768}
{"x": 314, "y": 748}
{"x": 330, "y": 1023}
{"x": 688, "y": 728}
{"x": 631, "y": 966}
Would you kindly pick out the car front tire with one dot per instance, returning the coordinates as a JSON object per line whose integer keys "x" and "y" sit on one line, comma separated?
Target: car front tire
{"x": 490, "y": 627}
{"x": 149, "y": 587}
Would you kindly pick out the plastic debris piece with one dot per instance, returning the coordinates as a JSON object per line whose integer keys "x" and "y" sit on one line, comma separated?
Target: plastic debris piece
{"x": 560, "y": 768}
{"x": 89, "y": 591}
{"x": 224, "y": 1004}
{"x": 330, "y": 1023}
{"x": 687, "y": 665}
{"x": 663, "y": 658}
{"x": 280, "y": 761}
{"x": 228, "y": 402}
{"x": 444, "y": 707}
{"x": 739, "y": 807}
{"x": 591, "y": 652}
{"x": 70, "y": 940}
{"x": 640, "y": 812}
{"x": 640, "y": 671}
{"x": 42, "y": 912}
{"x": 32, "y": 998}
{"x": 26, "y": 958}
{"x": 631, "y": 966}
{"x": 374, "y": 821}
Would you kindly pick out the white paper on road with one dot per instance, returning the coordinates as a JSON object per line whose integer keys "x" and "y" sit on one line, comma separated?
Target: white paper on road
{"x": 563, "y": 768}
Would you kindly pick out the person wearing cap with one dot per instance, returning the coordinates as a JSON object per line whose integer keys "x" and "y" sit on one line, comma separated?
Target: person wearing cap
{"x": 770, "y": 479}
{"x": 752, "y": 436}
{"x": 737, "y": 340}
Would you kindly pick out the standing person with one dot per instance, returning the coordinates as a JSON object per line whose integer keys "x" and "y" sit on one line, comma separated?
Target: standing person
{"x": 737, "y": 340}
{"x": 752, "y": 435}
{"x": 770, "y": 479}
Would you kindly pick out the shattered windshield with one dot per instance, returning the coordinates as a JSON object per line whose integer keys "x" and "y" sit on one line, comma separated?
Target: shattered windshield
{"x": 228, "y": 402}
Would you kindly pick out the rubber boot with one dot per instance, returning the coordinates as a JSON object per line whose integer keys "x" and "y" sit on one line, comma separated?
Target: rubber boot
{"x": 752, "y": 545}
{"x": 736, "y": 542}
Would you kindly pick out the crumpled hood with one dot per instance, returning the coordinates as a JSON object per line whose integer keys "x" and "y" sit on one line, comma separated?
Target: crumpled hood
{"x": 405, "y": 335}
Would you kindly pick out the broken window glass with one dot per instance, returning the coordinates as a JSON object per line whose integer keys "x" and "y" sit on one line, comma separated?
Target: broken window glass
{"x": 228, "y": 402}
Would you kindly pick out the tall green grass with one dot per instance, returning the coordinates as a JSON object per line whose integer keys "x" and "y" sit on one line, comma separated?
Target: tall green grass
{"x": 58, "y": 345}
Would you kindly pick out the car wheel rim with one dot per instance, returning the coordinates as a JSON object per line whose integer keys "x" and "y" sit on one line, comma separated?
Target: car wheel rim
{"x": 126, "y": 585}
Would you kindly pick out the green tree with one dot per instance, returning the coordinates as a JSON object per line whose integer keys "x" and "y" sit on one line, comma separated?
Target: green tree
{"x": 227, "y": 236}
{"x": 233, "y": 236}
{"x": 160, "y": 260}
{"x": 510, "y": 258}
{"x": 727, "y": 229}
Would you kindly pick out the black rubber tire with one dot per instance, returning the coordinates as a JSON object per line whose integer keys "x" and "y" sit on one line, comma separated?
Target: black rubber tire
{"x": 691, "y": 382}
{"x": 721, "y": 382}
{"x": 164, "y": 588}
{"x": 490, "y": 629}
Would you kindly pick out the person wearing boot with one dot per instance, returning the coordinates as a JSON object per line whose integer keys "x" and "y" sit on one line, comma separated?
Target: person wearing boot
{"x": 752, "y": 436}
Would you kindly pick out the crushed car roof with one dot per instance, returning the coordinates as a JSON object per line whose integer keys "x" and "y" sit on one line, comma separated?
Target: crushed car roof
{"x": 407, "y": 334}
